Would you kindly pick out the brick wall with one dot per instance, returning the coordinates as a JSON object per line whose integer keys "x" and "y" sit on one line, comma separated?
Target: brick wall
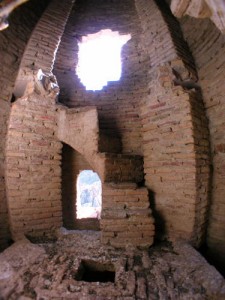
{"x": 33, "y": 171}
{"x": 126, "y": 216}
{"x": 43, "y": 44}
{"x": 12, "y": 44}
{"x": 39, "y": 53}
{"x": 207, "y": 45}
{"x": 145, "y": 110}
{"x": 175, "y": 146}
{"x": 4, "y": 225}
{"x": 78, "y": 127}
{"x": 175, "y": 130}
{"x": 117, "y": 103}
{"x": 72, "y": 164}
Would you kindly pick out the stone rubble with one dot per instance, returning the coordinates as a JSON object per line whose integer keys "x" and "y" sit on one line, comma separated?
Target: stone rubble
{"x": 47, "y": 270}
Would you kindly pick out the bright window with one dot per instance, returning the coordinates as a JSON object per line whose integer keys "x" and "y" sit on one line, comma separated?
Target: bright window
{"x": 89, "y": 195}
{"x": 99, "y": 58}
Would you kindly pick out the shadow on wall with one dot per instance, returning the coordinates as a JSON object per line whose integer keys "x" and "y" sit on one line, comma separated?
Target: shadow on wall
{"x": 69, "y": 178}
{"x": 160, "y": 225}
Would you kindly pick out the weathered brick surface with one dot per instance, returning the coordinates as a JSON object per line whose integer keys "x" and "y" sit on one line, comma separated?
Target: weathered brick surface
{"x": 53, "y": 271}
{"x": 117, "y": 103}
{"x": 13, "y": 41}
{"x": 207, "y": 46}
{"x": 121, "y": 167}
{"x": 42, "y": 46}
{"x": 126, "y": 217}
{"x": 12, "y": 44}
{"x": 175, "y": 135}
{"x": 33, "y": 172}
{"x": 144, "y": 112}
{"x": 4, "y": 226}
{"x": 33, "y": 158}
{"x": 79, "y": 128}
{"x": 125, "y": 208}
{"x": 39, "y": 52}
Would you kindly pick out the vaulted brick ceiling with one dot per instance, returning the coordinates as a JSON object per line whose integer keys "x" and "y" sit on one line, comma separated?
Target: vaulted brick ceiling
{"x": 214, "y": 9}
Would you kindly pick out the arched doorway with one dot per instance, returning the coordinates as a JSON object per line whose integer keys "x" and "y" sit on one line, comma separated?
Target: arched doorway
{"x": 75, "y": 169}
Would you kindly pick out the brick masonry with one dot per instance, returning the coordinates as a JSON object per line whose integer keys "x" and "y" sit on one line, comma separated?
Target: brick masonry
{"x": 126, "y": 216}
{"x": 12, "y": 45}
{"x": 123, "y": 202}
{"x": 175, "y": 133}
{"x": 145, "y": 112}
{"x": 52, "y": 270}
{"x": 118, "y": 102}
{"x": 207, "y": 45}
{"x": 33, "y": 167}
{"x": 13, "y": 56}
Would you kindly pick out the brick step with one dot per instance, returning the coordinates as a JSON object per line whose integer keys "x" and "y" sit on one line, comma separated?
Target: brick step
{"x": 122, "y": 167}
{"x": 126, "y": 215}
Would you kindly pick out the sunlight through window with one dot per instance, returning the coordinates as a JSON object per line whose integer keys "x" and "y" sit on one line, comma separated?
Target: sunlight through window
{"x": 89, "y": 195}
{"x": 99, "y": 58}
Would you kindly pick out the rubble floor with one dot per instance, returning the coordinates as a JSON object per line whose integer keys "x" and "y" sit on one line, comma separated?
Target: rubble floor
{"x": 52, "y": 270}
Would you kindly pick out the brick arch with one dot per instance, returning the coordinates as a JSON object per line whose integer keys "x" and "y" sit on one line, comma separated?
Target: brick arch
{"x": 79, "y": 129}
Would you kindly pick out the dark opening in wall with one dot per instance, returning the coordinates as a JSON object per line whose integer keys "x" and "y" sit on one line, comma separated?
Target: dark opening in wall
{"x": 68, "y": 186}
{"x": 93, "y": 271}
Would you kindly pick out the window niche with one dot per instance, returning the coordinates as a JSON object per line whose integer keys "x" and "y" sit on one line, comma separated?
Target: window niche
{"x": 89, "y": 195}
{"x": 72, "y": 165}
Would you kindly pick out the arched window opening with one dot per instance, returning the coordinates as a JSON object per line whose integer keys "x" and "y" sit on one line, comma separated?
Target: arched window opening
{"x": 99, "y": 58}
{"x": 89, "y": 195}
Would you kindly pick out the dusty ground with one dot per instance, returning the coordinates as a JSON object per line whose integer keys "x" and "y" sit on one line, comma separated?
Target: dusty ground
{"x": 51, "y": 271}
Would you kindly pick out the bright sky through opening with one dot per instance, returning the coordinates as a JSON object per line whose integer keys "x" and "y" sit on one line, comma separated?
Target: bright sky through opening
{"x": 99, "y": 58}
{"x": 89, "y": 195}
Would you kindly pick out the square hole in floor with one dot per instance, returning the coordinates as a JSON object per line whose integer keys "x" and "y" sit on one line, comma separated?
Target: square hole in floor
{"x": 93, "y": 271}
